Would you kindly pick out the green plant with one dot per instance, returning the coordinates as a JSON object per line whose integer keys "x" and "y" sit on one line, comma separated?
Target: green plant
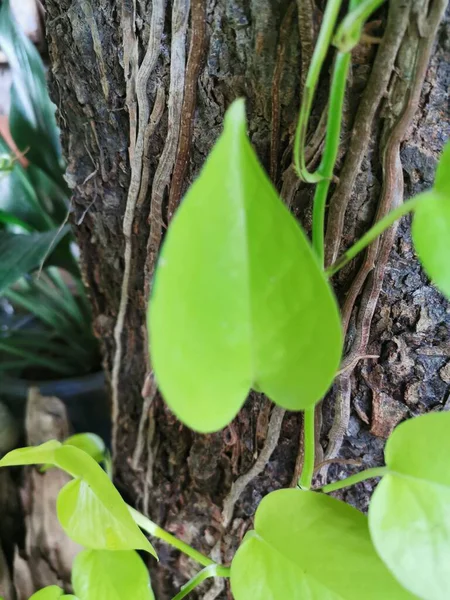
{"x": 258, "y": 314}
{"x": 35, "y": 242}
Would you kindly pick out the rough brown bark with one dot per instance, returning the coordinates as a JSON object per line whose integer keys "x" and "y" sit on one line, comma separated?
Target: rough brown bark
{"x": 251, "y": 49}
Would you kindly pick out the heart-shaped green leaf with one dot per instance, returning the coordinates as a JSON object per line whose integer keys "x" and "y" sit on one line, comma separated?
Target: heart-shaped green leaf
{"x": 431, "y": 227}
{"x": 308, "y": 545}
{"x": 90, "y": 509}
{"x": 409, "y": 515}
{"x": 52, "y": 592}
{"x": 104, "y": 575}
{"x": 239, "y": 299}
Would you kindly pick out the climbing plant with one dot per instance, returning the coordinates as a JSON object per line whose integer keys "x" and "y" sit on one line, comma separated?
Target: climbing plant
{"x": 241, "y": 300}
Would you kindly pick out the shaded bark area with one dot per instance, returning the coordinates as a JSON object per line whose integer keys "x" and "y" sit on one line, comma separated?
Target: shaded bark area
{"x": 251, "y": 49}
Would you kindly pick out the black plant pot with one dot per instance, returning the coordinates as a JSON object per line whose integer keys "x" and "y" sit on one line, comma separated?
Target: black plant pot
{"x": 85, "y": 398}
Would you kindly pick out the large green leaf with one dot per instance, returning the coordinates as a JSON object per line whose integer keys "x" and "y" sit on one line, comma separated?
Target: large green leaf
{"x": 431, "y": 227}
{"x": 23, "y": 253}
{"x": 90, "y": 509}
{"x": 32, "y": 114}
{"x": 409, "y": 515}
{"x": 239, "y": 300}
{"x": 52, "y": 592}
{"x": 310, "y": 546}
{"x": 104, "y": 575}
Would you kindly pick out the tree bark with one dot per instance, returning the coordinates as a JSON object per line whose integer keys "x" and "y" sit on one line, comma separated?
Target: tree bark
{"x": 193, "y": 62}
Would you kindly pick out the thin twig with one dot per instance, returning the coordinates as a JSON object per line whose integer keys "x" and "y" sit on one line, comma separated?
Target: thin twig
{"x": 148, "y": 399}
{"x": 273, "y": 435}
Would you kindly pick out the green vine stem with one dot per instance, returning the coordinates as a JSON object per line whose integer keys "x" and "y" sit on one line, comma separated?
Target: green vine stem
{"x": 307, "y": 473}
{"x": 206, "y": 573}
{"x": 326, "y": 167}
{"x": 353, "y": 479}
{"x": 151, "y": 528}
{"x": 332, "y": 139}
{"x": 375, "y": 231}
{"x": 312, "y": 79}
{"x": 349, "y": 31}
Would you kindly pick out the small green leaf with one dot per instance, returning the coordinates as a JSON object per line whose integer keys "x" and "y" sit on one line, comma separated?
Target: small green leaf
{"x": 23, "y": 253}
{"x": 409, "y": 513}
{"x": 91, "y": 523}
{"x": 239, "y": 299}
{"x": 431, "y": 237}
{"x": 90, "y": 443}
{"x": 90, "y": 509}
{"x": 308, "y": 545}
{"x": 103, "y": 575}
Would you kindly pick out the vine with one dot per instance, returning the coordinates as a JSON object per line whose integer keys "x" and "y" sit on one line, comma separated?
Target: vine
{"x": 242, "y": 301}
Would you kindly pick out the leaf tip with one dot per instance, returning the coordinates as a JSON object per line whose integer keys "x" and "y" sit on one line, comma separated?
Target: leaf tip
{"x": 235, "y": 115}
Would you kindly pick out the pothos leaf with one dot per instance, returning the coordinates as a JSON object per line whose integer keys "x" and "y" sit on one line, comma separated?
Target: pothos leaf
{"x": 104, "y": 575}
{"x": 409, "y": 513}
{"x": 239, "y": 300}
{"x": 90, "y": 509}
{"x": 308, "y": 545}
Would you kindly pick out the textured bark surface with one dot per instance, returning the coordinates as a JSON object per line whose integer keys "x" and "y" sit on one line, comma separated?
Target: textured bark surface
{"x": 252, "y": 49}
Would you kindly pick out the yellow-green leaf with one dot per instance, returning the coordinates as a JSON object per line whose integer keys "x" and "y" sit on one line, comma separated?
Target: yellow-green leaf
{"x": 90, "y": 509}
{"x": 104, "y": 575}
{"x": 409, "y": 514}
{"x": 239, "y": 300}
{"x": 310, "y": 546}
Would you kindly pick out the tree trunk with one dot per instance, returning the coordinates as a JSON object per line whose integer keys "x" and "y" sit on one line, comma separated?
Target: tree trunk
{"x": 140, "y": 136}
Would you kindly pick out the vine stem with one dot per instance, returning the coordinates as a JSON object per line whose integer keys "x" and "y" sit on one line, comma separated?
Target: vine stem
{"x": 353, "y": 479}
{"x": 310, "y": 449}
{"x": 349, "y": 31}
{"x": 375, "y": 231}
{"x": 151, "y": 528}
{"x": 331, "y": 149}
{"x": 325, "y": 169}
{"x": 206, "y": 573}
{"x": 320, "y": 51}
